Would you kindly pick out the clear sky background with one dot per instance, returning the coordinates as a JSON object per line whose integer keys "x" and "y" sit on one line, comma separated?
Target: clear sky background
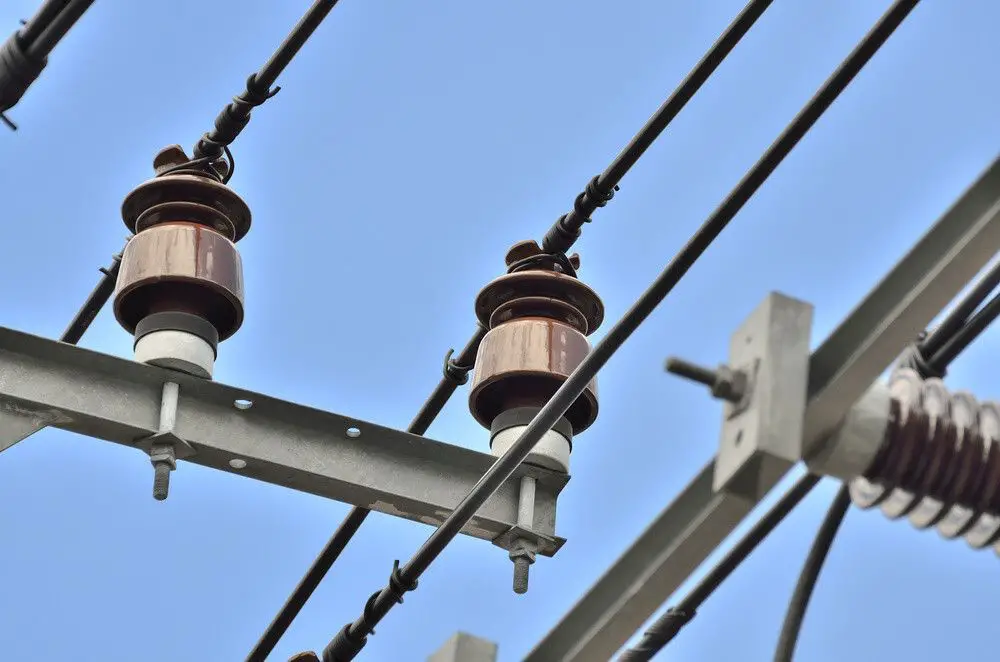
{"x": 412, "y": 144}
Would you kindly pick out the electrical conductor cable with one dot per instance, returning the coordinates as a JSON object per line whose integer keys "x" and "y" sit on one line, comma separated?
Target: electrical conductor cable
{"x": 810, "y": 573}
{"x": 669, "y": 624}
{"x": 231, "y": 121}
{"x": 24, "y": 55}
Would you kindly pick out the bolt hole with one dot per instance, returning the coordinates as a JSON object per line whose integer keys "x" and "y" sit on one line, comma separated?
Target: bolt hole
{"x": 238, "y": 463}
{"x": 242, "y": 404}
{"x": 353, "y": 432}
{"x": 738, "y": 438}
{"x": 749, "y": 339}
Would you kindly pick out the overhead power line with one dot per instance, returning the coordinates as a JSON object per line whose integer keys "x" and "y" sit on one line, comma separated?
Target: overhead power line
{"x": 566, "y": 229}
{"x": 810, "y": 573}
{"x": 25, "y": 54}
{"x": 94, "y": 303}
{"x": 236, "y": 115}
{"x": 559, "y": 239}
{"x": 38, "y": 23}
{"x": 352, "y": 638}
{"x": 667, "y": 626}
{"x": 456, "y": 371}
{"x": 966, "y": 335}
{"x": 930, "y": 355}
{"x": 960, "y": 314}
{"x": 307, "y": 585}
{"x": 58, "y": 27}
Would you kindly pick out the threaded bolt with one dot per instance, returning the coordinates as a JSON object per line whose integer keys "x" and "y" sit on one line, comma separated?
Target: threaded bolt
{"x": 726, "y": 383}
{"x": 692, "y": 371}
{"x": 161, "y": 480}
{"x": 521, "y": 568}
{"x": 164, "y": 461}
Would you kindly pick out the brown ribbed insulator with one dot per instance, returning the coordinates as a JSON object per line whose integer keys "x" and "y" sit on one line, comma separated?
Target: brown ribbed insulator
{"x": 183, "y": 256}
{"x": 539, "y": 319}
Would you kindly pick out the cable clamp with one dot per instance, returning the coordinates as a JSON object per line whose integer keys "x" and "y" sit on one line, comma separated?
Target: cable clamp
{"x": 668, "y": 627}
{"x": 398, "y": 585}
{"x": 455, "y": 372}
{"x": 594, "y": 192}
{"x": 115, "y": 260}
{"x": 913, "y": 358}
{"x": 591, "y": 193}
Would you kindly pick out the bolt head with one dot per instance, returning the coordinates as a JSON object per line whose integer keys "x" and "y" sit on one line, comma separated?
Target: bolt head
{"x": 729, "y": 384}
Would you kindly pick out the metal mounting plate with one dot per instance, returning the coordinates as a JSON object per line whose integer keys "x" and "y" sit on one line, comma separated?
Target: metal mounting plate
{"x": 762, "y": 434}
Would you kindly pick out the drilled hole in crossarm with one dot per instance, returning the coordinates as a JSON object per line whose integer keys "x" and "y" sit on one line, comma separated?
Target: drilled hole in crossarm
{"x": 353, "y": 432}
{"x": 242, "y": 404}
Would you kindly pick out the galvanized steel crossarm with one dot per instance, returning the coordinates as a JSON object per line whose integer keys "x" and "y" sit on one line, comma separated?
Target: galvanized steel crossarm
{"x": 48, "y": 383}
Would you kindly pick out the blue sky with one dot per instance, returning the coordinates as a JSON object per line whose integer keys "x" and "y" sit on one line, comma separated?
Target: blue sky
{"x": 411, "y": 145}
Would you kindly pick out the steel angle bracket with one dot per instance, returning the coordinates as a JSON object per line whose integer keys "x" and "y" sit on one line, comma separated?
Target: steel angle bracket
{"x": 762, "y": 431}
{"x": 15, "y": 426}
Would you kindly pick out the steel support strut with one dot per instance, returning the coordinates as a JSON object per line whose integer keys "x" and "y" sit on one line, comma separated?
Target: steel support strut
{"x": 933, "y": 273}
{"x": 55, "y": 384}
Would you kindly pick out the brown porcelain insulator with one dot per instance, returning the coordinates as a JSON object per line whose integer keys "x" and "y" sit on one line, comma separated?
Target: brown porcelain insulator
{"x": 182, "y": 257}
{"x": 522, "y": 363}
{"x": 538, "y": 284}
{"x": 539, "y": 320}
{"x": 184, "y": 267}
{"x": 191, "y": 196}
